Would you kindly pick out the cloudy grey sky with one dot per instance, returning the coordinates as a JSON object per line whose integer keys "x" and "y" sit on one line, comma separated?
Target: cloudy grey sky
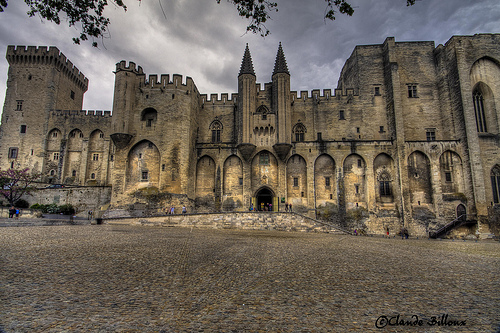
{"x": 206, "y": 41}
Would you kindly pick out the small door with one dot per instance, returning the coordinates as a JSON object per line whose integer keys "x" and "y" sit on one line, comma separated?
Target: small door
{"x": 461, "y": 212}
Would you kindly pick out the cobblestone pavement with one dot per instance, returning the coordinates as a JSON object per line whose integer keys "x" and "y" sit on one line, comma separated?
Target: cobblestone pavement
{"x": 152, "y": 279}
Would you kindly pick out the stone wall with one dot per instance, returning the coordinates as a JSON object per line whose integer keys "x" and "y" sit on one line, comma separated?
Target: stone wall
{"x": 241, "y": 220}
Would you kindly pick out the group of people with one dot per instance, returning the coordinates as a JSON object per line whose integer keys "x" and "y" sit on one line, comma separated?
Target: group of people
{"x": 13, "y": 212}
{"x": 171, "y": 211}
{"x": 268, "y": 207}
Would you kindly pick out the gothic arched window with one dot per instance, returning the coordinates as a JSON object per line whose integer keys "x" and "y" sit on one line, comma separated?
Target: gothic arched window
{"x": 495, "y": 183}
{"x": 216, "y": 127}
{"x": 299, "y": 129}
{"x": 385, "y": 184}
{"x": 479, "y": 111}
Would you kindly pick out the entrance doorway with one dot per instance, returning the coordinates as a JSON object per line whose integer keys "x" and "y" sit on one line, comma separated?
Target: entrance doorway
{"x": 263, "y": 197}
{"x": 461, "y": 211}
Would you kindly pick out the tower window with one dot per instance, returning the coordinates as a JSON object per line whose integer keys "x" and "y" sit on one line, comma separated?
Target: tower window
{"x": 295, "y": 181}
{"x": 447, "y": 176}
{"x": 74, "y": 173}
{"x": 23, "y": 129}
{"x": 377, "y": 91}
{"x": 72, "y": 94}
{"x": 13, "y": 152}
{"x": 92, "y": 176}
{"x": 479, "y": 111}
{"x": 356, "y": 187}
{"x": 341, "y": 115}
{"x": 19, "y": 106}
{"x": 144, "y": 175}
{"x": 360, "y": 164}
{"x": 264, "y": 159}
{"x": 56, "y": 156}
{"x": 95, "y": 157}
{"x": 412, "y": 91}
{"x": 431, "y": 134}
{"x": 101, "y": 135}
{"x": 327, "y": 181}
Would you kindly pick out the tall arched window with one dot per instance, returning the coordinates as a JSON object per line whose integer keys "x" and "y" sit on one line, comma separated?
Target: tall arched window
{"x": 216, "y": 127}
{"x": 479, "y": 111}
{"x": 495, "y": 183}
{"x": 385, "y": 184}
{"x": 299, "y": 129}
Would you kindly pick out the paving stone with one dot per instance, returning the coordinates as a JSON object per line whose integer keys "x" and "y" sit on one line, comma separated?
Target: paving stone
{"x": 125, "y": 278}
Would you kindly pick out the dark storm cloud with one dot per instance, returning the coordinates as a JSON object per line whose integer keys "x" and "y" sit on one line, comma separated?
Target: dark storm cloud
{"x": 206, "y": 41}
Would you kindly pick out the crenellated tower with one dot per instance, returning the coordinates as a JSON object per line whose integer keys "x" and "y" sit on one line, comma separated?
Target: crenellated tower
{"x": 40, "y": 80}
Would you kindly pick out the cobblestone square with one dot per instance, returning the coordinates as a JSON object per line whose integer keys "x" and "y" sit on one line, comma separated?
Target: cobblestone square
{"x": 157, "y": 279}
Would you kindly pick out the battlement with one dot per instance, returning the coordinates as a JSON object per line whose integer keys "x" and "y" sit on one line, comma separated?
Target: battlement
{"x": 122, "y": 66}
{"x": 81, "y": 113}
{"x": 216, "y": 101}
{"x": 43, "y": 55}
{"x": 166, "y": 83}
{"x": 316, "y": 96}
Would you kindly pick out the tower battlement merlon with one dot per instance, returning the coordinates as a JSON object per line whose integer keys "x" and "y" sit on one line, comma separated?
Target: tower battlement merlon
{"x": 43, "y": 55}
{"x": 166, "y": 83}
{"x": 81, "y": 113}
{"x": 213, "y": 99}
{"x": 122, "y": 66}
{"x": 316, "y": 94}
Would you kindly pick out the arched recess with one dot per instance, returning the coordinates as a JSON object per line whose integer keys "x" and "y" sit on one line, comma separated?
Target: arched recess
{"x": 495, "y": 183}
{"x": 74, "y": 156}
{"x": 149, "y": 117}
{"x": 54, "y": 140}
{"x": 264, "y": 170}
{"x": 419, "y": 175}
{"x": 451, "y": 171}
{"x": 298, "y": 132}
{"x": 324, "y": 180}
{"x": 96, "y": 158}
{"x": 484, "y": 76}
{"x": 383, "y": 169}
{"x": 233, "y": 181}
{"x": 296, "y": 179}
{"x": 354, "y": 181}
{"x": 205, "y": 178}
{"x": 484, "y": 109}
{"x": 143, "y": 167}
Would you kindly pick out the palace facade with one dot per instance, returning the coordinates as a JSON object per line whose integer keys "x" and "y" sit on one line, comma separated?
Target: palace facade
{"x": 409, "y": 138}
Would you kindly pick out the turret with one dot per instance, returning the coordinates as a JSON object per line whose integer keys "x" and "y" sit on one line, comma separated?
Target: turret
{"x": 127, "y": 81}
{"x": 281, "y": 103}
{"x": 246, "y": 104}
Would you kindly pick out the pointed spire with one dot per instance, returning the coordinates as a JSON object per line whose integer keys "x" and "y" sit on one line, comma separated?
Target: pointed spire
{"x": 246, "y": 64}
{"x": 280, "y": 64}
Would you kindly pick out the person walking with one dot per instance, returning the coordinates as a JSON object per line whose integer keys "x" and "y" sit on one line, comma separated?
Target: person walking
{"x": 184, "y": 210}
{"x": 286, "y": 207}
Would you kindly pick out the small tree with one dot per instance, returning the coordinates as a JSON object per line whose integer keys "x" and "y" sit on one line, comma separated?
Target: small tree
{"x": 14, "y": 183}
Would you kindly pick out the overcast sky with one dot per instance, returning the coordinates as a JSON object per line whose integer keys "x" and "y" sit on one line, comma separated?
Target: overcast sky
{"x": 206, "y": 41}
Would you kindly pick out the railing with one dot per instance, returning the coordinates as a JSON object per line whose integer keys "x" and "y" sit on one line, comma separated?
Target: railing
{"x": 462, "y": 219}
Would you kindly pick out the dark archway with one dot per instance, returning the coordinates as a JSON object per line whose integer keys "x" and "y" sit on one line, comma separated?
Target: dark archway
{"x": 461, "y": 211}
{"x": 264, "y": 197}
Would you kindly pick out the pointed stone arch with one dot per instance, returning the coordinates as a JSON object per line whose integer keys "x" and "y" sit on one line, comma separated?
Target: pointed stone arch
{"x": 233, "y": 182}
{"x": 354, "y": 181}
{"x": 74, "y": 157}
{"x": 451, "y": 172}
{"x": 495, "y": 183}
{"x": 296, "y": 179}
{"x": 205, "y": 178}
{"x": 383, "y": 170}
{"x": 419, "y": 176}
{"x": 484, "y": 75}
{"x": 143, "y": 166}
{"x": 264, "y": 170}
{"x": 325, "y": 180}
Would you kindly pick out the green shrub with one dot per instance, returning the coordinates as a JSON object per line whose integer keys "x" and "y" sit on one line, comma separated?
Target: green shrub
{"x": 67, "y": 209}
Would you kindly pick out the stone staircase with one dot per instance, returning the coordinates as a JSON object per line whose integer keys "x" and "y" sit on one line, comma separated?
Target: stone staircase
{"x": 280, "y": 221}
